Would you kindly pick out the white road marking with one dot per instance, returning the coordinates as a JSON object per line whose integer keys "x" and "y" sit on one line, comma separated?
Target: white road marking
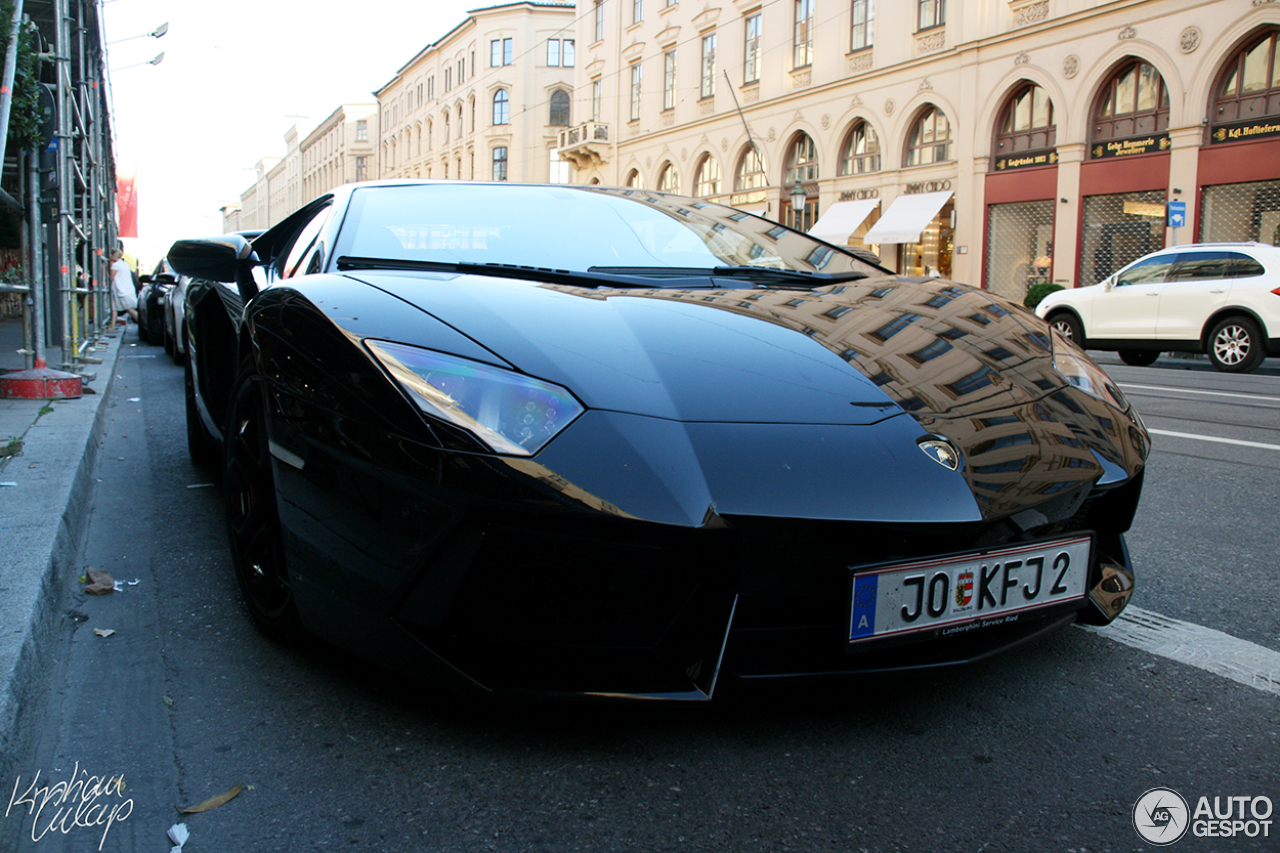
{"x": 1236, "y": 441}
{"x": 1259, "y": 397}
{"x": 1201, "y": 647}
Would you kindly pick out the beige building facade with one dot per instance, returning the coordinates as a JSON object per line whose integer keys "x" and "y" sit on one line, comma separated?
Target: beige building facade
{"x": 486, "y": 101}
{"x": 1000, "y": 143}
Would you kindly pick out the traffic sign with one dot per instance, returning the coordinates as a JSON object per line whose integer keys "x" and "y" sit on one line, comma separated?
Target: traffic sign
{"x": 1177, "y": 211}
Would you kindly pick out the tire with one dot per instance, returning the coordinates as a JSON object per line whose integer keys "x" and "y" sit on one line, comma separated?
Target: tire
{"x": 253, "y": 519}
{"x": 1139, "y": 357}
{"x": 1236, "y": 345}
{"x": 200, "y": 444}
{"x": 1069, "y": 327}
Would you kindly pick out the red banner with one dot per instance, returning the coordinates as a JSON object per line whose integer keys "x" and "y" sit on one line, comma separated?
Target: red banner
{"x": 127, "y": 203}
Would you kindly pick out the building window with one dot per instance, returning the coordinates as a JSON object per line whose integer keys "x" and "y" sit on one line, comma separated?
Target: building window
{"x": 553, "y": 52}
{"x": 431, "y": 135}
{"x": 597, "y": 98}
{"x": 864, "y": 18}
{"x": 459, "y": 123}
{"x": 362, "y": 130}
{"x": 931, "y": 13}
{"x": 802, "y": 161}
{"x": 633, "y": 180}
{"x": 501, "y": 109}
{"x": 669, "y": 179}
{"x": 559, "y": 169}
{"x": 637, "y": 75}
{"x": 444, "y": 119}
{"x": 802, "y": 41}
{"x": 708, "y": 89}
{"x": 567, "y": 53}
{"x": 599, "y": 14}
{"x": 751, "y": 49}
{"x": 448, "y": 79}
{"x": 559, "y": 108}
{"x": 500, "y": 53}
{"x": 930, "y": 139}
{"x": 706, "y": 181}
{"x": 860, "y": 152}
{"x": 1250, "y": 87}
{"x": 750, "y": 172}
{"x": 1133, "y": 103}
{"x": 462, "y": 71}
{"x": 1027, "y": 123}
{"x": 637, "y": 11}
{"x": 362, "y": 168}
{"x": 499, "y": 163}
{"x": 669, "y": 80}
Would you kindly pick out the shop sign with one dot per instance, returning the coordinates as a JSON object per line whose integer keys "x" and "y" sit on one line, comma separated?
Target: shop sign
{"x": 1244, "y": 130}
{"x": 1027, "y": 160}
{"x": 1129, "y": 147}
{"x": 859, "y": 195}
{"x": 927, "y": 187}
{"x": 753, "y": 197}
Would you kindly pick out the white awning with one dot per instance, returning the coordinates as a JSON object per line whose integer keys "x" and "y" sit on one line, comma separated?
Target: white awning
{"x": 906, "y": 218}
{"x": 842, "y": 219}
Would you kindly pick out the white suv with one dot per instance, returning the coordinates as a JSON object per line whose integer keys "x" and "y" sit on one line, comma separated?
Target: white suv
{"x": 1217, "y": 298}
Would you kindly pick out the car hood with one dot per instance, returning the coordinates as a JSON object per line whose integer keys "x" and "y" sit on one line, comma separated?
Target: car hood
{"x": 846, "y": 354}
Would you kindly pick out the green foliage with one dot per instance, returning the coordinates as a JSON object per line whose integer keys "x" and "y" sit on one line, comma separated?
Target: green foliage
{"x": 24, "y": 115}
{"x": 1036, "y": 292}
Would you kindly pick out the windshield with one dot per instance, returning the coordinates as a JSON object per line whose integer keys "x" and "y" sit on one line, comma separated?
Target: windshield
{"x": 571, "y": 229}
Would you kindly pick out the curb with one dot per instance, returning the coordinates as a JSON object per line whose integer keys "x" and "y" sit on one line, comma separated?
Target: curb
{"x": 45, "y": 551}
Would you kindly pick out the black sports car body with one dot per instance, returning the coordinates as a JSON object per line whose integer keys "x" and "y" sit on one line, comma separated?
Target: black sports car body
{"x": 578, "y": 440}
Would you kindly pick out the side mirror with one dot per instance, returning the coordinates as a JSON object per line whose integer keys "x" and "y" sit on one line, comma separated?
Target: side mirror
{"x": 229, "y": 258}
{"x": 145, "y": 278}
{"x": 165, "y": 278}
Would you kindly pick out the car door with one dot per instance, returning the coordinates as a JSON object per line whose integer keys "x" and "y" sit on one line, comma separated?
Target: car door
{"x": 1127, "y": 311}
{"x": 1195, "y": 287}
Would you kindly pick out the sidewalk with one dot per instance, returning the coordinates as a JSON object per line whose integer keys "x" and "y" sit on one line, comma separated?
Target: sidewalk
{"x": 45, "y": 497}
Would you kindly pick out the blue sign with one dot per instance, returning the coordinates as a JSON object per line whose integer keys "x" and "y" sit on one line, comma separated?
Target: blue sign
{"x": 1177, "y": 211}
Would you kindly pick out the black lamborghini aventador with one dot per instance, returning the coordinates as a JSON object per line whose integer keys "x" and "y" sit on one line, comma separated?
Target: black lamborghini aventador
{"x": 578, "y": 440}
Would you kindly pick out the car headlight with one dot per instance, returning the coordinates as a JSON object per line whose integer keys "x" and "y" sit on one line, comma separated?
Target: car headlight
{"x": 508, "y": 412}
{"x": 1081, "y": 372}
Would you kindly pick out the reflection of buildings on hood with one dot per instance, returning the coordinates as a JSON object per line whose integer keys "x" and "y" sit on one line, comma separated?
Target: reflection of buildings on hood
{"x": 961, "y": 364}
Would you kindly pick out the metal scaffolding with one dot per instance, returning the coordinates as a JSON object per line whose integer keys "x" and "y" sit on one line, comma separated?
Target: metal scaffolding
{"x": 63, "y": 189}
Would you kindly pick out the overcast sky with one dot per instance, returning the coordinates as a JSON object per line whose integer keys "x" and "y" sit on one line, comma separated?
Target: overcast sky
{"x": 236, "y": 76}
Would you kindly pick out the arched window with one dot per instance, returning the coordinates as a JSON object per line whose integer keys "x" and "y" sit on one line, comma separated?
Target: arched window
{"x": 930, "y": 139}
{"x": 802, "y": 166}
{"x": 501, "y": 107}
{"x": 706, "y": 181}
{"x": 861, "y": 151}
{"x": 431, "y": 135}
{"x": 1250, "y": 84}
{"x": 459, "y": 126}
{"x": 499, "y": 163}
{"x": 633, "y": 180}
{"x": 750, "y": 172}
{"x": 669, "y": 179}
{"x": 1027, "y": 122}
{"x": 802, "y": 161}
{"x": 559, "y": 108}
{"x": 1132, "y": 102}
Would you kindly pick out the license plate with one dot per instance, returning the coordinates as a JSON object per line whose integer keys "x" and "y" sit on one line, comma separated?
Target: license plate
{"x": 976, "y": 589}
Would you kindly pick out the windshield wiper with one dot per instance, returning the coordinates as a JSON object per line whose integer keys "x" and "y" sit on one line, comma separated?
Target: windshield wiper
{"x": 758, "y": 276}
{"x": 594, "y": 277}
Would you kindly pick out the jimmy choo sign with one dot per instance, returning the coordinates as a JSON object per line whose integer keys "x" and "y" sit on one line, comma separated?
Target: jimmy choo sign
{"x": 927, "y": 187}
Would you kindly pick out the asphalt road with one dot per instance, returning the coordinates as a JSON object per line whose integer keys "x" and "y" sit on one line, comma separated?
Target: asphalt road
{"x": 1043, "y": 749}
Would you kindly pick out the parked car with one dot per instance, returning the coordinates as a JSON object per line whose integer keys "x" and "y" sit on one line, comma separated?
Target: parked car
{"x": 151, "y": 296}
{"x": 578, "y": 440}
{"x": 1217, "y": 298}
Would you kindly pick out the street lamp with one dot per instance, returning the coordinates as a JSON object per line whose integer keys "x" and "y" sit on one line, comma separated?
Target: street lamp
{"x": 155, "y": 34}
{"x": 158, "y": 59}
{"x": 799, "y": 198}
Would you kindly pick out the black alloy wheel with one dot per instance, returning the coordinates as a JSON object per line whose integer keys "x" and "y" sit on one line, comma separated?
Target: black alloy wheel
{"x": 1236, "y": 345}
{"x": 1139, "y": 357}
{"x": 253, "y": 520}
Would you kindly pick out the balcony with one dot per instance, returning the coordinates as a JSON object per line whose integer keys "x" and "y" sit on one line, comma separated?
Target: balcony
{"x": 586, "y": 145}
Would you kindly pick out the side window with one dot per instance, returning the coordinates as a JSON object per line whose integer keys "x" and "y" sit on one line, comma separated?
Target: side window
{"x": 304, "y": 254}
{"x": 1193, "y": 266}
{"x": 1149, "y": 271}
{"x": 1243, "y": 266}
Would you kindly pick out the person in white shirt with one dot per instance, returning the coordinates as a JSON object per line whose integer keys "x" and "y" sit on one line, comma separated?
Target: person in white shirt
{"x": 123, "y": 296}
